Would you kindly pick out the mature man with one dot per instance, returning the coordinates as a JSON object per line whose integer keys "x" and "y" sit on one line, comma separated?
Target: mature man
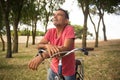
{"x": 60, "y": 38}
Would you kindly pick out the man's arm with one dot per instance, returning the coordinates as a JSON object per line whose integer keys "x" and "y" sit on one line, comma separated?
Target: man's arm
{"x": 67, "y": 44}
{"x": 42, "y": 44}
{"x": 52, "y": 49}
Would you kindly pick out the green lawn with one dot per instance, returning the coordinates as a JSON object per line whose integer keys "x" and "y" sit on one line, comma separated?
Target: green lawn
{"x": 102, "y": 64}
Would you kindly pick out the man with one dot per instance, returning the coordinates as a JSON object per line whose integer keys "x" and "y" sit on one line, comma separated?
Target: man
{"x": 55, "y": 40}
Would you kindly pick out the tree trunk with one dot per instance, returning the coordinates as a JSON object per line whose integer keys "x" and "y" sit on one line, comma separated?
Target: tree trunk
{"x": 28, "y": 34}
{"x": 46, "y": 20}
{"x": 84, "y": 32}
{"x": 104, "y": 29}
{"x": 15, "y": 37}
{"x": 85, "y": 12}
{"x": 3, "y": 43}
{"x": 34, "y": 32}
{"x": 15, "y": 27}
{"x": 5, "y": 10}
{"x": 97, "y": 33}
{"x": 27, "y": 41}
{"x": 9, "y": 44}
{"x": 96, "y": 40}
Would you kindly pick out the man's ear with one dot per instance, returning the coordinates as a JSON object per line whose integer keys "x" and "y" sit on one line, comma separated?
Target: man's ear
{"x": 67, "y": 21}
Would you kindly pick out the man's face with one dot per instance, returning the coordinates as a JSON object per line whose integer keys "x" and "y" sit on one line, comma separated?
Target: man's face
{"x": 59, "y": 18}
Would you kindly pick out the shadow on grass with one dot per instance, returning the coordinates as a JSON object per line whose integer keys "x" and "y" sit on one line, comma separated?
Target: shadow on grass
{"x": 5, "y": 65}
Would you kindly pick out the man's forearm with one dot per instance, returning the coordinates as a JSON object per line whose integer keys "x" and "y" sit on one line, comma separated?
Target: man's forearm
{"x": 40, "y": 45}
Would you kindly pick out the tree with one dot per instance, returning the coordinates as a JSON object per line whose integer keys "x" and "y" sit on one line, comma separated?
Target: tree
{"x": 40, "y": 10}
{"x": 99, "y": 7}
{"x": 2, "y": 31}
{"x": 5, "y": 8}
{"x": 28, "y": 34}
{"x": 47, "y": 10}
{"x": 96, "y": 30}
{"x": 78, "y": 31}
{"x": 34, "y": 7}
{"x": 30, "y": 15}
{"x": 16, "y": 8}
{"x": 84, "y": 4}
{"x": 111, "y": 6}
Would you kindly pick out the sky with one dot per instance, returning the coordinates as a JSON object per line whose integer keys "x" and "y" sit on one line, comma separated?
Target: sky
{"x": 112, "y": 21}
{"x": 76, "y": 17}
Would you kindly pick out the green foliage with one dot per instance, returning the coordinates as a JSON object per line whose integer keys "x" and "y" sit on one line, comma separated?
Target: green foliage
{"x": 24, "y": 32}
{"x": 28, "y": 32}
{"x": 40, "y": 33}
{"x": 79, "y": 31}
{"x": 39, "y": 10}
{"x": 109, "y": 6}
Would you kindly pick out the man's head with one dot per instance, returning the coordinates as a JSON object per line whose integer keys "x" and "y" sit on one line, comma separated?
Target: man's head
{"x": 60, "y": 17}
{"x": 65, "y": 13}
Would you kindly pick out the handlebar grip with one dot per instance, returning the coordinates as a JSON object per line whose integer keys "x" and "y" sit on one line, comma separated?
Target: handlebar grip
{"x": 85, "y": 51}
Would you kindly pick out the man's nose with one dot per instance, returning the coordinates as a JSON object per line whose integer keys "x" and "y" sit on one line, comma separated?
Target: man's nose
{"x": 54, "y": 16}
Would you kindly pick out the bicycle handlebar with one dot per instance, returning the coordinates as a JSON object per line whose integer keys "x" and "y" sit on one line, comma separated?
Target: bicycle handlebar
{"x": 77, "y": 49}
{"x": 66, "y": 52}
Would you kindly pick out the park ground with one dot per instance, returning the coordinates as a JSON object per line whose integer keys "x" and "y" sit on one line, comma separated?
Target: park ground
{"x": 103, "y": 63}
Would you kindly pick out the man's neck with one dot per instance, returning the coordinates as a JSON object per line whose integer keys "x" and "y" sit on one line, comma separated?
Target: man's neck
{"x": 60, "y": 28}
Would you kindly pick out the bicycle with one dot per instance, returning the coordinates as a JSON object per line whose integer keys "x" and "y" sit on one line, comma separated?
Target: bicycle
{"x": 79, "y": 73}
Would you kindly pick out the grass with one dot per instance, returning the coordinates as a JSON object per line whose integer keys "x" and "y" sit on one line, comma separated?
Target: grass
{"x": 102, "y": 64}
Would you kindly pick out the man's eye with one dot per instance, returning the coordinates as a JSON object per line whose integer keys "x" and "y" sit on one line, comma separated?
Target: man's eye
{"x": 60, "y": 15}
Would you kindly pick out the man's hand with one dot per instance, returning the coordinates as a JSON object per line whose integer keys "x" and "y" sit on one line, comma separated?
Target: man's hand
{"x": 52, "y": 49}
{"x": 34, "y": 63}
